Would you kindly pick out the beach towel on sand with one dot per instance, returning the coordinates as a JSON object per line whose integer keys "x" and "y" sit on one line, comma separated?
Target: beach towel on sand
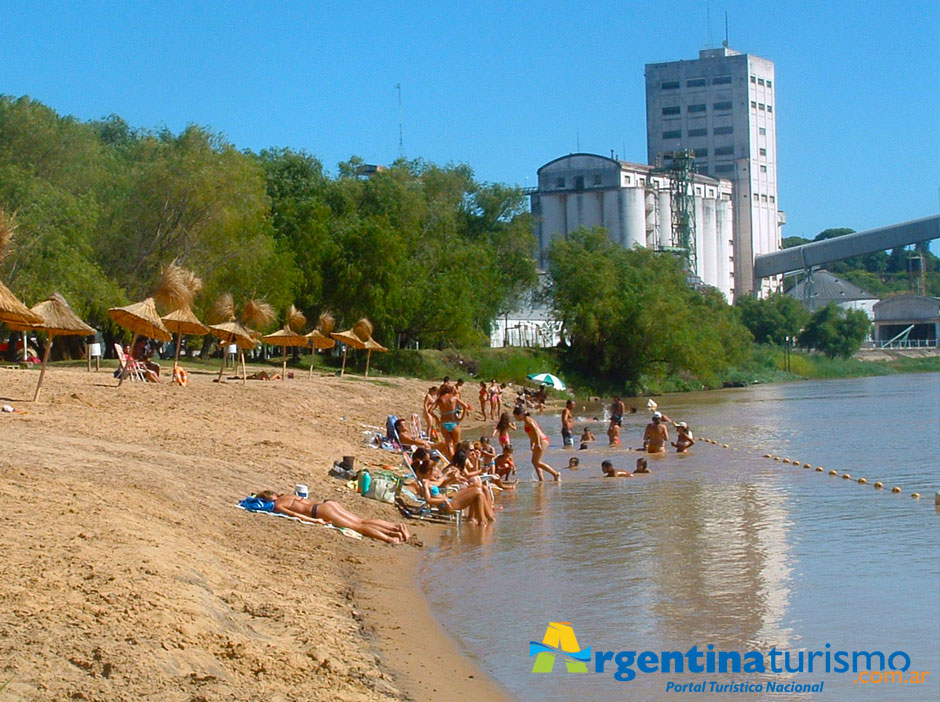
{"x": 256, "y": 504}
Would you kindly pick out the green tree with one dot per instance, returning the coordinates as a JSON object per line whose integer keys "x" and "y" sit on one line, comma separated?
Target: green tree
{"x": 834, "y": 331}
{"x": 773, "y": 318}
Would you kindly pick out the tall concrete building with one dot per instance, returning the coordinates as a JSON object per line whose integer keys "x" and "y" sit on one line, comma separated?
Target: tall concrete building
{"x": 722, "y": 107}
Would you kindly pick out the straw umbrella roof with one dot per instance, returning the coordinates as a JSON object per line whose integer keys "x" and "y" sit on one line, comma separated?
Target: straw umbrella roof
{"x": 57, "y": 318}
{"x": 349, "y": 338}
{"x": 241, "y": 335}
{"x": 12, "y": 311}
{"x": 183, "y": 321}
{"x": 373, "y": 345}
{"x": 320, "y": 341}
{"x": 286, "y": 337}
{"x": 141, "y": 318}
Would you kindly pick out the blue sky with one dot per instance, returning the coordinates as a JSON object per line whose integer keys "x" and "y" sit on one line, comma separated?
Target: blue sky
{"x": 503, "y": 87}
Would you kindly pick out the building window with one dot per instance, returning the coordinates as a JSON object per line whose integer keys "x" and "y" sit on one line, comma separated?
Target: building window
{"x": 763, "y": 169}
{"x": 760, "y": 106}
{"x": 724, "y": 168}
{"x": 724, "y": 151}
{"x": 597, "y": 179}
{"x": 761, "y": 131}
{"x": 579, "y": 182}
{"x": 760, "y": 81}
{"x": 559, "y": 182}
{"x": 764, "y": 198}
{"x": 723, "y": 130}
{"x": 701, "y": 169}
{"x": 698, "y": 132}
{"x": 695, "y": 83}
{"x": 721, "y": 105}
{"x": 673, "y": 135}
{"x": 762, "y": 152}
{"x": 700, "y": 153}
{"x": 770, "y": 84}
{"x": 753, "y": 79}
{"x": 698, "y": 190}
{"x": 753, "y": 104}
{"x": 695, "y": 108}
{"x": 773, "y": 199}
{"x": 757, "y": 197}
{"x": 674, "y": 110}
{"x": 770, "y": 108}
{"x": 670, "y": 85}
{"x": 721, "y": 80}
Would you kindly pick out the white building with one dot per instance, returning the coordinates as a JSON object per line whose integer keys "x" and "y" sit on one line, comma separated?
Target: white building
{"x": 722, "y": 106}
{"x": 632, "y": 202}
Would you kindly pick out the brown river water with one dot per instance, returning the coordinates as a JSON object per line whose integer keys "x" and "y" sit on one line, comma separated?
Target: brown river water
{"x": 721, "y": 547}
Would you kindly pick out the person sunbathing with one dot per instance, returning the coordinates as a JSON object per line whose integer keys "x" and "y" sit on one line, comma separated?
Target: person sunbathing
{"x": 333, "y": 513}
{"x": 473, "y": 498}
{"x": 406, "y": 439}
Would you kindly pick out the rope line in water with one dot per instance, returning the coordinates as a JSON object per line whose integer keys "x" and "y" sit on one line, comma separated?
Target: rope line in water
{"x": 878, "y": 485}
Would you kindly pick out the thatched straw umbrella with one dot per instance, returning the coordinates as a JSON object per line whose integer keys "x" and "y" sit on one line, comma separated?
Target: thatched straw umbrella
{"x": 355, "y": 337}
{"x": 319, "y": 338}
{"x": 142, "y": 319}
{"x": 285, "y": 337}
{"x": 12, "y": 311}
{"x": 181, "y": 322}
{"x": 238, "y": 334}
{"x": 373, "y": 345}
{"x": 57, "y": 319}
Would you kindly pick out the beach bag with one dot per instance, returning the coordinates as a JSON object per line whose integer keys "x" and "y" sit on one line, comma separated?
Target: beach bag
{"x": 382, "y": 486}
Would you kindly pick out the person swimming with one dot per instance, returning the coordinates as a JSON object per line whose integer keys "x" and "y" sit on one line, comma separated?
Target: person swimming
{"x": 608, "y": 469}
{"x": 587, "y": 436}
{"x": 574, "y": 463}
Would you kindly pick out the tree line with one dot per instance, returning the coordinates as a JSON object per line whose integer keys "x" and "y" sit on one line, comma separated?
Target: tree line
{"x": 427, "y": 252}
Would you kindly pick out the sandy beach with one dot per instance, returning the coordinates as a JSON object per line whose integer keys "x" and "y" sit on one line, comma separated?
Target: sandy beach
{"x": 128, "y": 573}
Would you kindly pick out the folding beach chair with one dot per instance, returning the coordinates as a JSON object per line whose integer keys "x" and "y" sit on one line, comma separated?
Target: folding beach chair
{"x": 128, "y": 366}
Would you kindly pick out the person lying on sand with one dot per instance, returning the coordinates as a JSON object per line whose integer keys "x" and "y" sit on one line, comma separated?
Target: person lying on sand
{"x": 608, "y": 469}
{"x": 333, "y": 513}
{"x": 262, "y": 375}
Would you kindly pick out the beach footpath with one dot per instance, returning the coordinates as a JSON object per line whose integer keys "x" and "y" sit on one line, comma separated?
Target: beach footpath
{"x": 128, "y": 573}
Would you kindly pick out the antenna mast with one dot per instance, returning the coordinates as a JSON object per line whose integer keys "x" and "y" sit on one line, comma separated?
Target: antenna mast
{"x": 726, "y": 29}
{"x": 708, "y": 22}
{"x": 401, "y": 142}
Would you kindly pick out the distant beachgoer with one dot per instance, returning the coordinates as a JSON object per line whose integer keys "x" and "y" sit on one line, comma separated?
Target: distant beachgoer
{"x": 656, "y": 436}
{"x": 541, "y": 397}
{"x": 684, "y": 439}
{"x": 538, "y": 442}
{"x": 487, "y": 455}
{"x": 449, "y": 405}
{"x": 567, "y": 424}
{"x": 574, "y": 463}
{"x": 608, "y": 469}
{"x": 505, "y": 466}
{"x": 587, "y": 436}
{"x": 495, "y": 398}
{"x": 613, "y": 433}
{"x": 616, "y": 412}
{"x": 641, "y": 467}
{"x": 333, "y": 513}
{"x": 502, "y": 429}
{"x": 429, "y": 398}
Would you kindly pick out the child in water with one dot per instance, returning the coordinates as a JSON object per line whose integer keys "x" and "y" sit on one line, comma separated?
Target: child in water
{"x": 641, "y": 467}
{"x": 574, "y": 463}
{"x": 503, "y": 426}
{"x": 608, "y": 469}
{"x": 613, "y": 433}
{"x": 487, "y": 455}
{"x": 587, "y": 436}
{"x": 504, "y": 465}
{"x": 684, "y": 439}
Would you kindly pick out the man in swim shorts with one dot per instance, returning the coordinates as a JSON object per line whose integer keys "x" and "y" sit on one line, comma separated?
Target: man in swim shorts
{"x": 656, "y": 436}
{"x": 567, "y": 424}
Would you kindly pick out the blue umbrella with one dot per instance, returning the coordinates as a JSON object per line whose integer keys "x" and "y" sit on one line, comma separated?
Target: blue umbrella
{"x": 548, "y": 379}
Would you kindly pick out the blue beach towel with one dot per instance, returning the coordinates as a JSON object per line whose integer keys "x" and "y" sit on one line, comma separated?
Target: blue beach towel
{"x": 256, "y": 504}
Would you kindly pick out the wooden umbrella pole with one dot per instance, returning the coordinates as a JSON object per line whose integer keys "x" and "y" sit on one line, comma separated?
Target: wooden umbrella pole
{"x": 241, "y": 356}
{"x": 179, "y": 342}
{"x": 284, "y": 366}
{"x": 45, "y": 360}
{"x": 313, "y": 351}
{"x": 342, "y": 371}
{"x": 368, "y": 358}
{"x": 127, "y": 360}
{"x": 25, "y": 352}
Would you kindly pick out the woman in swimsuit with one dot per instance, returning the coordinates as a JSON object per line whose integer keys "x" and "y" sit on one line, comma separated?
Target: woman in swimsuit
{"x": 449, "y": 405}
{"x": 429, "y": 399}
{"x": 502, "y": 429}
{"x": 332, "y": 513}
{"x": 684, "y": 439}
{"x": 656, "y": 435}
{"x": 484, "y": 398}
{"x": 487, "y": 454}
{"x": 495, "y": 398}
{"x": 472, "y": 498}
{"x": 538, "y": 442}
{"x": 613, "y": 433}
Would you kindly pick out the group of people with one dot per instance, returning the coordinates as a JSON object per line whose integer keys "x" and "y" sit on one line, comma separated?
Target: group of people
{"x": 655, "y": 436}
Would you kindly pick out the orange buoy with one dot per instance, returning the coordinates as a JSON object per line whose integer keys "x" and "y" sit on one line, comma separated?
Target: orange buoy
{"x": 879, "y": 485}
{"x": 862, "y": 481}
{"x": 896, "y": 488}
{"x": 846, "y": 476}
{"x": 915, "y": 495}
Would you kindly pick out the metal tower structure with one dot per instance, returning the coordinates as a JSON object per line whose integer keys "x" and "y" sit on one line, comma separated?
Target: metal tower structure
{"x": 681, "y": 172}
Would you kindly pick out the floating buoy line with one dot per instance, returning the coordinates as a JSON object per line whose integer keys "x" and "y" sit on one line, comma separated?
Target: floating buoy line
{"x": 878, "y": 485}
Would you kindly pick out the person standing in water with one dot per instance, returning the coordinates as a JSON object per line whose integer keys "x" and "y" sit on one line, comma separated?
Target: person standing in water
{"x": 450, "y": 406}
{"x": 656, "y": 436}
{"x": 567, "y": 424}
{"x": 538, "y": 443}
{"x": 484, "y": 399}
{"x": 684, "y": 439}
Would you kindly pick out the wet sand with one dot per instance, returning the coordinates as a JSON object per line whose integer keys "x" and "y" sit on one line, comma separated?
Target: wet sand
{"x": 128, "y": 574}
